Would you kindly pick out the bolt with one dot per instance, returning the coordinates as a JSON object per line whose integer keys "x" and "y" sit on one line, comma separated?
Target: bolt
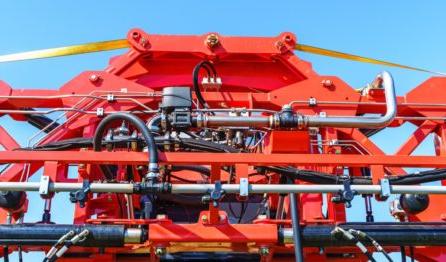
{"x": 161, "y": 216}
{"x": 264, "y": 251}
{"x": 160, "y": 251}
{"x": 288, "y": 38}
{"x": 135, "y": 35}
{"x": 212, "y": 40}
{"x": 204, "y": 218}
{"x": 261, "y": 217}
{"x": 93, "y": 78}
{"x": 143, "y": 42}
{"x": 327, "y": 83}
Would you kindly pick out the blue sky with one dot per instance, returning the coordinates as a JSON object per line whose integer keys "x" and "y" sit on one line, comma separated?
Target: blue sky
{"x": 408, "y": 32}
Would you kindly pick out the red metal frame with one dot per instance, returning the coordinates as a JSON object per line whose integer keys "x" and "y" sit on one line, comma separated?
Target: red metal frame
{"x": 257, "y": 72}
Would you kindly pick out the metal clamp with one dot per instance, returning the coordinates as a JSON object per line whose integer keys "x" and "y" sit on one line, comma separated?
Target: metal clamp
{"x": 385, "y": 187}
{"x": 44, "y": 188}
{"x": 312, "y": 102}
{"x": 100, "y": 111}
{"x": 81, "y": 194}
{"x": 244, "y": 187}
{"x": 110, "y": 97}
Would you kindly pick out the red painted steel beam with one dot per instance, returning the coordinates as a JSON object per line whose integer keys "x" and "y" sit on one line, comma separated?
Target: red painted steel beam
{"x": 234, "y": 233}
{"x": 138, "y": 158}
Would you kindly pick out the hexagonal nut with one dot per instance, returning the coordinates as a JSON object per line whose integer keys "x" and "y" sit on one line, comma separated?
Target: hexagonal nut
{"x": 160, "y": 251}
{"x": 264, "y": 251}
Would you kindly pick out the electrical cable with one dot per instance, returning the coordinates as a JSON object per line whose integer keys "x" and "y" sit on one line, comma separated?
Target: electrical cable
{"x": 403, "y": 253}
{"x": 411, "y": 252}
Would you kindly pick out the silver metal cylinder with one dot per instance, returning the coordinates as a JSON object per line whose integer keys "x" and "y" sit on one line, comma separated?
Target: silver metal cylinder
{"x": 203, "y": 120}
{"x": 133, "y": 236}
{"x": 363, "y": 121}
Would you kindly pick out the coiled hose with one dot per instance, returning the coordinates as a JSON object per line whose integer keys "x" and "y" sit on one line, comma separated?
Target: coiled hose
{"x": 140, "y": 125}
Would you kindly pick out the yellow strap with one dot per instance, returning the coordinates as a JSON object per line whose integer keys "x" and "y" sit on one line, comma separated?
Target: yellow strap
{"x": 336, "y": 54}
{"x": 122, "y": 43}
{"x": 66, "y": 50}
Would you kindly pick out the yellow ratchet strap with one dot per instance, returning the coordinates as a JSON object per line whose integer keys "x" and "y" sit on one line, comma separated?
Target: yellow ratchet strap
{"x": 66, "y": 50}
{"x": 357, "y": 58}
{"x": 122, "y": 43}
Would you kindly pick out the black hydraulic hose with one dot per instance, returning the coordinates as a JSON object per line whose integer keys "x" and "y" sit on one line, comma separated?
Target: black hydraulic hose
{"x": 199, "y": 169}
{"x": 324, "y": 178}
{"x": 140, "y": 125}
{"x": 195, "y": 75}
{"x": 41, "y": 122}
{"x": 49, "y": 234}
{"x": 420, "y": 177}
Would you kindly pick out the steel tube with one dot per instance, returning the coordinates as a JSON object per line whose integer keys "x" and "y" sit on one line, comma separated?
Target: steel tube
{"x": 281, "y": 189}
{"x": 363, "y": 122}
{"x": 66, "y": 187}
{"x": 295, "y": 222}
{"x": 386, "y": 234}
{"x": 239, "y": 121}
{"x": 228, "y": 188}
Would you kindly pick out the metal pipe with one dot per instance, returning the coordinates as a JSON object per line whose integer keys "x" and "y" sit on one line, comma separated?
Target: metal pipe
{"x": 363, "y": 121}
{"x": 295, "y": 222}
{"x": 228, "y": 188}
{"x": 203, "y": 120}
{"x": 386, "y": 234}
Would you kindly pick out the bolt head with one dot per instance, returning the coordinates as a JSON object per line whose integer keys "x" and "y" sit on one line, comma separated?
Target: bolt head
{"x": 212, "y": 40}
{"x": 264, "y": 251}
{"x": 204, "y": 218}
{"x": 93, "y": 78}
{"x": 327, "y": 83}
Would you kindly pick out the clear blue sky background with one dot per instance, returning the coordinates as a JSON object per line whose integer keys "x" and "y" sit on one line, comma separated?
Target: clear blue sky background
{"x": 409, "y": 32}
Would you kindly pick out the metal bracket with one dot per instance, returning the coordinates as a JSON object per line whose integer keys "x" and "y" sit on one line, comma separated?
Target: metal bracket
{"x": 44, "y": 188}
{"x": 312, "y": 102}
{"x": 100, "y": 111}
{"x": 244, "y": 187}
{"x": 110, "y": 97}
{"x": 385, "y": 187}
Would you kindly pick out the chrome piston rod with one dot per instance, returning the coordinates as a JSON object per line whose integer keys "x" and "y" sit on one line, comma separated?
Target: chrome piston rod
{"x": 228, "y": 188}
